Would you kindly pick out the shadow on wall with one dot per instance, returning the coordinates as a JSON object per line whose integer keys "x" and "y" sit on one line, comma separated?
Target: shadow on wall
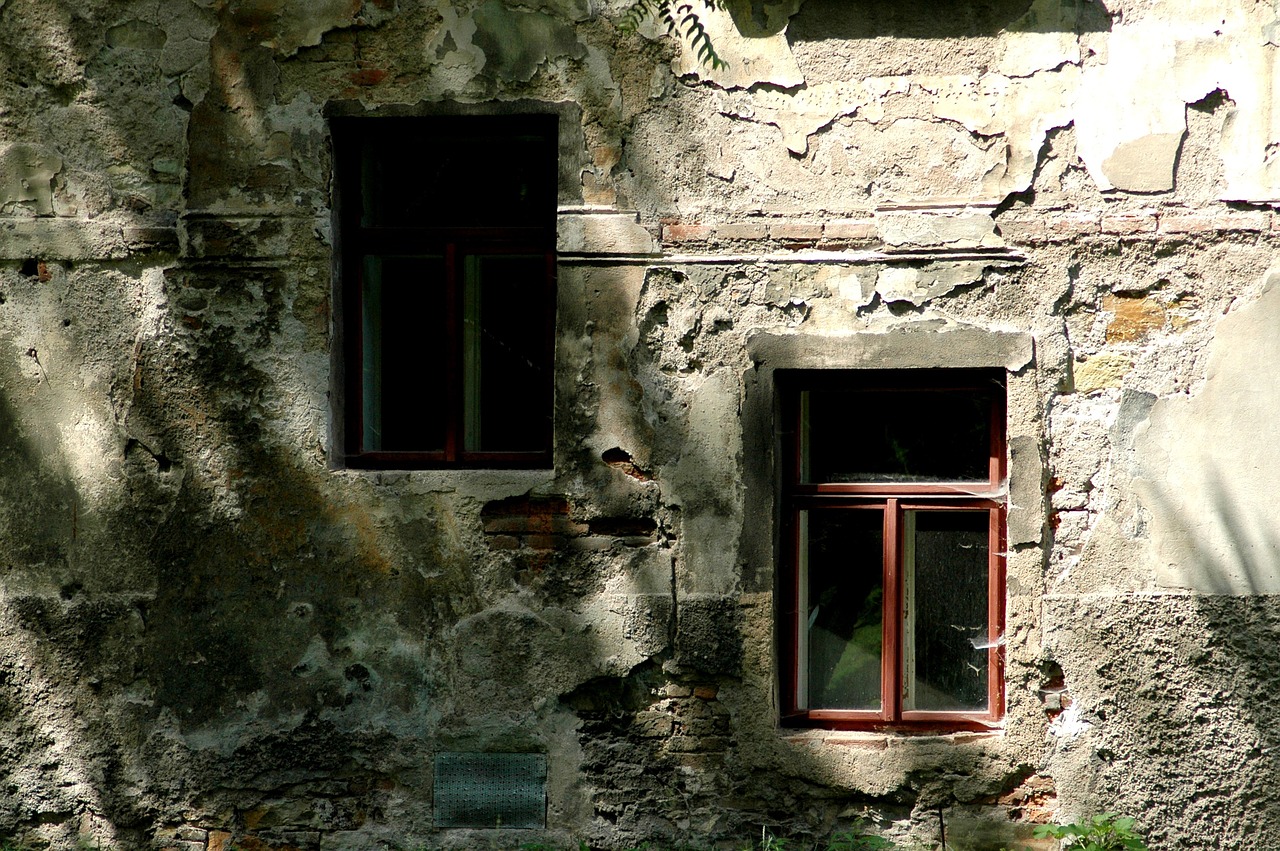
{"x": 841, "y": 20}
{"x": 1176, "y": 691}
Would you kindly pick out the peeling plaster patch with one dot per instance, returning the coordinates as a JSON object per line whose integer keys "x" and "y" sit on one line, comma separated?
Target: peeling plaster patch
{"x": 917, "y": 286}
{"x": 135, "y": 35}
{"x": 516, "y": 43}
{"x": 1144, "y": 165}
{"x": 845, "y": 283}
{"x": 751, "y": 58}
{"x": 1041, "y": 40}
{"x": 1022, "y": 110}
{"x": 1155, "y": 68}
{"x": 804, "y": 113}
{"x": 1208, "y": 464}
{"x": 286, "y": 25}
{"x": 618, "y": 233}
{"x": 452, "y": 48}
{"x": 964, "y": 229}
{"x": 26, "y": 175}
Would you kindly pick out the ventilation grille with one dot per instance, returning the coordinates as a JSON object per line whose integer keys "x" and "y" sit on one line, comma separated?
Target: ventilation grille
{"x": 490, "y": 790}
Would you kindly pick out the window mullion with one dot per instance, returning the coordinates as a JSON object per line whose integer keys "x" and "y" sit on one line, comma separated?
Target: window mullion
{"x": 891, "y": 661}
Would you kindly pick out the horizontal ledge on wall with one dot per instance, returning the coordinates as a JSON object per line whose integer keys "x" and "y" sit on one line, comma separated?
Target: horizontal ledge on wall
{"x": 788, "y": 258}
{"x": 63, "y": 239}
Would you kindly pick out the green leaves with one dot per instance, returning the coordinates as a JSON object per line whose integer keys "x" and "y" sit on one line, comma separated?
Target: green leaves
{"x": 681, "y": 18}
{"x": 1103, "y": 832}
{"x": 858, "y": 842}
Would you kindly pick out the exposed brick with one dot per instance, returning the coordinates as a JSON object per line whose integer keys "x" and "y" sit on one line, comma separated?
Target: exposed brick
{"x": 850, "y": 229}
{"x": 504, "y": 542}
{"x": 796, "y": 230}
{"x": 567, "y": 526}
{"x": 369, "y": 76}
{"x": 495, "y": 525}
{"x": 623, "y": 526}
{"x": 543, "y": 542}
{"x": 1071, "y": 225}
{"x": 151, "y": 237}
{"x": 706, "y": 692}
{"x": 1187, "y": 223}
{"x": 1243, "y": 220}
{"x": 686, "y": 233}
{"x": 591, "y": 543}
{"x": 534, "y": 523}
{"x": 1127, "y": 224}
{"x": 1021, "y": 230}
{"x": 742, "y": 230}
{"x": 654, "y": 724}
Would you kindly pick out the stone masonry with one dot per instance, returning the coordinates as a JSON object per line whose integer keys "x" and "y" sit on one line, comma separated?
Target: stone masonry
{"x": 215, "y": 634}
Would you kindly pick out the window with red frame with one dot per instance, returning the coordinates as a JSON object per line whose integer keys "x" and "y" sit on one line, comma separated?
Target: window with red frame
{"x": 446, "y": 231}
{"x": 892, "y": 595}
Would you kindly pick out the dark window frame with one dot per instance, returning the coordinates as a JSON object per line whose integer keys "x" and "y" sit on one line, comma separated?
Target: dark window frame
{"x": 356, "y": 239}
{"x": 893, "y": 500}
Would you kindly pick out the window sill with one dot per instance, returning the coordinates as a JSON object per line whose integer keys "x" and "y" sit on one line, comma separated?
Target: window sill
{"x": 482, "y": 483}
{"x": 882, "y": 739}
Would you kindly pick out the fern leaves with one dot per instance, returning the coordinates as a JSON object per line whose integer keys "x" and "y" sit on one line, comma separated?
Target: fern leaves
{"x": 681, "y": 18}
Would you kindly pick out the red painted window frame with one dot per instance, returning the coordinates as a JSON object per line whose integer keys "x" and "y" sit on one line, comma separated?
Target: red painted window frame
{"x": 892, "y": 499}
{"x": 355, "y": 241}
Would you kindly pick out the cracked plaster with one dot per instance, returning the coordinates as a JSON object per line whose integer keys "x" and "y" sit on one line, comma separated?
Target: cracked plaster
{"x": 1126, "y": 100}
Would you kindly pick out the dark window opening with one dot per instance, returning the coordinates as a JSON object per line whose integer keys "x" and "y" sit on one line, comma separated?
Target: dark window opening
{"x": 447, "y": 237}
{"x": 893, "y": 514}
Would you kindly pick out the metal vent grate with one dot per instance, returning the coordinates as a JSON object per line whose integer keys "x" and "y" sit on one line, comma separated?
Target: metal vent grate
{"x": 491, "y": 790}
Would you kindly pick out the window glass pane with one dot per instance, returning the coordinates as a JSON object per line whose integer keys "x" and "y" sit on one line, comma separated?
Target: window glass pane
{"x": 895, "y": 436}
{"x": 404, "y": 341}
{"x": 842, "y": 613}
{"x": 946, "y": 555}
{"x": 507, "y": 359}
{"x": 461, "y": 171}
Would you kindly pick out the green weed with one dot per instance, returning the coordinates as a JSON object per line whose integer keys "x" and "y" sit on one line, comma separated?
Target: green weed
{"x": 1103, "y": 832}
{"x": 858, "y": 842}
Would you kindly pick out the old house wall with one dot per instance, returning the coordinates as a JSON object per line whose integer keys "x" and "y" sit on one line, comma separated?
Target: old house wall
{"x": 212, "y": 633}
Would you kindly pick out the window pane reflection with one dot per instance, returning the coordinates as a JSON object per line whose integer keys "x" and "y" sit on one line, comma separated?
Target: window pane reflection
{"x": 946, "y": 579}
{"x": 404, "y": 332}
{"x": 842, "y": 618}
{"x": 507, "y": 367}
{"x": 889, "y": 436}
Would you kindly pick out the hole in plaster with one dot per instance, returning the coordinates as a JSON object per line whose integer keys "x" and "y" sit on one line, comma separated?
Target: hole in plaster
{"x": 619, "y": 459}
{"x": 30, "y": 267}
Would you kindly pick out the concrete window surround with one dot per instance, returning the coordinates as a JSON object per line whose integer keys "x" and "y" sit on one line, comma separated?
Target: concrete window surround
{"x": 907, "y": 347}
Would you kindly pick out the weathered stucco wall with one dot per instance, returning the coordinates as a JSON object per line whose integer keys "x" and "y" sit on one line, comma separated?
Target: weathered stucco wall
{"x": 211, "y": 633}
